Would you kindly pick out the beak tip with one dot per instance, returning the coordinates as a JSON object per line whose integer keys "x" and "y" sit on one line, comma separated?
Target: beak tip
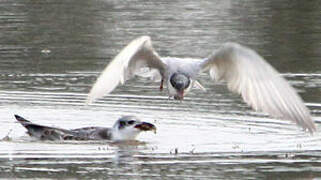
{"x": 154, "y": 130}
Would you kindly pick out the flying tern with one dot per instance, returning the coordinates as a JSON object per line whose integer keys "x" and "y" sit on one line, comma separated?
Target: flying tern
{"x": 244, "y": 71}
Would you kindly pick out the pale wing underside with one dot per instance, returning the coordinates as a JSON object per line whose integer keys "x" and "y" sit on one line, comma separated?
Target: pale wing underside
{"x": 259, "y": 83}
{"x": 139, "y": 53}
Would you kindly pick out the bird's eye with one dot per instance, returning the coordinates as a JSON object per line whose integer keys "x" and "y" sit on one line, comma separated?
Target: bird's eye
{"x": 131, "y": 122}
{"x": 122, "y": 123}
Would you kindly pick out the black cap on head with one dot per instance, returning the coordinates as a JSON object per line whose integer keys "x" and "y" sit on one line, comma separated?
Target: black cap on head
{"x": 180, "y": 81}
{"x": 125, "y": 121}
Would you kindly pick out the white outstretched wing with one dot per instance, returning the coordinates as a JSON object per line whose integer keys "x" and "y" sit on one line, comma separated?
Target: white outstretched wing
{"x": 136, "y": 55}
{"x": 260, "y": 85}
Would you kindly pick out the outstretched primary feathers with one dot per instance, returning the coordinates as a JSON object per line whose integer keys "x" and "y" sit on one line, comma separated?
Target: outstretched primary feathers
{"x": 244, "y": 71}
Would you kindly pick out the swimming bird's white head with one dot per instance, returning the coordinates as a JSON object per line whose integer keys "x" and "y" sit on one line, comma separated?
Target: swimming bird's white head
{"x": 128, "y": 127}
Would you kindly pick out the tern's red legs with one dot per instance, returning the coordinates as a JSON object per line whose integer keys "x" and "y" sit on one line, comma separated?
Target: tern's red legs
{"x": 161, "y": 85}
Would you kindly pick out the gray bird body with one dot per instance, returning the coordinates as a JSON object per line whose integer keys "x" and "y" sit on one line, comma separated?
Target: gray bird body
{"x": 120, "y": 131}
{"x": 244, "y": 71}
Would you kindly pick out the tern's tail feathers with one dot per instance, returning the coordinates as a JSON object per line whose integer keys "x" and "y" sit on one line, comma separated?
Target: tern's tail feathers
{"x": 42, "y": 132}
{"x": 22, "y": 120}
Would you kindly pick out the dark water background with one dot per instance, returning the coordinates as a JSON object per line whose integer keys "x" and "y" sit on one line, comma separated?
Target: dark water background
{"x": 52, "y": 51}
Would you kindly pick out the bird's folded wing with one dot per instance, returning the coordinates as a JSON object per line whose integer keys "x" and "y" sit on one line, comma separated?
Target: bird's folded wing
{"x": 139, "y": 53}
{"x": 260, "y": 85}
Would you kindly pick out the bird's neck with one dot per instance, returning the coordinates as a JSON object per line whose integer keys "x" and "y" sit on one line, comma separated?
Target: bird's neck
{"x": 123, "y": 135}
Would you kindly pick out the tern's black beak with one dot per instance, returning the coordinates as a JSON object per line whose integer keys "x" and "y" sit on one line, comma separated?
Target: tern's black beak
{"x": 179, "y": 95}
{"x": 145, "y": 126}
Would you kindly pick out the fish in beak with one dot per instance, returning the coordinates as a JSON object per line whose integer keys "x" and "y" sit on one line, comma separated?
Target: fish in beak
{"x": 145, "y": 126}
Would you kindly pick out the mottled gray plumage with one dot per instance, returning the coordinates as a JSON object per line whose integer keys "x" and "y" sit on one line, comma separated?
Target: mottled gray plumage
{"x": 126, "y": 128}
{"x": 244, "y": 71}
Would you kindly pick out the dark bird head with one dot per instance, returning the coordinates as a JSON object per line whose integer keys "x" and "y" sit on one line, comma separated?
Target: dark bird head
{"x": 180, "y": 82}
{"x": 128, "y": 127}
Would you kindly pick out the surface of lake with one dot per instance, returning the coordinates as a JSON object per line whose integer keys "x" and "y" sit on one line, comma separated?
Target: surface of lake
{"x": 52, "y": 51}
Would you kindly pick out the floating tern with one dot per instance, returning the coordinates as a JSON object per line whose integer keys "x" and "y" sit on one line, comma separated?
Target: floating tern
{"x": 125, "y": 128}
{"x": 244, "y": 71}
